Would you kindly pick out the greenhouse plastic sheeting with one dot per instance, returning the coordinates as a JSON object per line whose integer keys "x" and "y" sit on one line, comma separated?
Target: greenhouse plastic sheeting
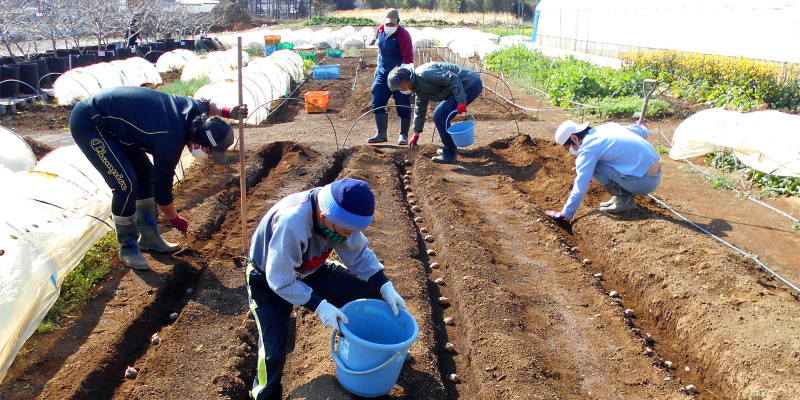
{"x": 766, "y": 141}
{"x": 79, "y": 83}
{"x": 16, "y": 155}
{"x": 765, "y": 29}
{"x": 47, "y": 223}
{"x": 175, "y": 60}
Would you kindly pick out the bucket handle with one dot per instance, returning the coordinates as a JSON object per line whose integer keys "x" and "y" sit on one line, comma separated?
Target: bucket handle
{"x": 341, "y": 365}
{"x": 451, "y": 113}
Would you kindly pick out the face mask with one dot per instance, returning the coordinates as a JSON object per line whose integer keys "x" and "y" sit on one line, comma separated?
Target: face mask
{"x": 405, "y": 91}
{"x": 197, "y": 151}
{"x": 332, "y": 234}
{"x": 573, "y": 151}
{"x": 390, "y": 30}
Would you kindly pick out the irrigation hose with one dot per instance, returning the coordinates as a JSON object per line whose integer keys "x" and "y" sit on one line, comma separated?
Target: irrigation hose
{"x": 727, "y": 244}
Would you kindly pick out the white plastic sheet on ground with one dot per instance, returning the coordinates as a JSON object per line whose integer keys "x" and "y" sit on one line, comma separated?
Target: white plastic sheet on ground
{"x": 47, "y": 222}
{"x": 766, "y": 141}
{"x": 79, "y": 83}
{"x": 175, "y": 60}
{"x": 16, "y": 155}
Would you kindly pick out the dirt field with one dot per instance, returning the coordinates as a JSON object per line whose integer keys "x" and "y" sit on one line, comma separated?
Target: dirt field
{"x": 540, "y": 309}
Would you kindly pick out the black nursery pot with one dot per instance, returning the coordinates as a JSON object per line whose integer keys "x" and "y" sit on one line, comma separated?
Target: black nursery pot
{"x": 11, "y": 88}
{"x": 29, "y": 74}
{"x": 45, "y": 80}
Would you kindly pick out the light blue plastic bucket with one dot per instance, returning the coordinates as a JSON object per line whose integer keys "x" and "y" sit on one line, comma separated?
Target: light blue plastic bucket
{"x": 372, "y": 346}
{"x": 463, "y": 133}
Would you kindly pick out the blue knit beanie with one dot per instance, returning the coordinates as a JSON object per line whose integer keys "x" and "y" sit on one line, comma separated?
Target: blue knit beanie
{"x": 348, "y": 203}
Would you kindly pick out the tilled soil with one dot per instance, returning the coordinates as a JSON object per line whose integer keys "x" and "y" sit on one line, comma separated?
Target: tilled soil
{"x": 591, "y": 310}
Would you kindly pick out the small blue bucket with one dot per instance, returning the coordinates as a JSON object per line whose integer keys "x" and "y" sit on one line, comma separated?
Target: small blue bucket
{"x": 372, "y": 346}
{"x": 462, "y": 133}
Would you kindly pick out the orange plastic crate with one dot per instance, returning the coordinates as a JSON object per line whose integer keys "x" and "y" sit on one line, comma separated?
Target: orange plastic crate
{"x": 319, "y": 98}
{"x": 272, "y": 40}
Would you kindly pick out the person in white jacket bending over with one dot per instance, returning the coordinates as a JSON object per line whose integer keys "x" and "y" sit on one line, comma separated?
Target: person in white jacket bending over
{"x": 618, "y": 158}
{"x": 289, "y": 267}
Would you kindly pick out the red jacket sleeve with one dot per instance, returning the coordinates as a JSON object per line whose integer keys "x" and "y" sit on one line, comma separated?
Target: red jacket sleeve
{"x": 406, "y": 47}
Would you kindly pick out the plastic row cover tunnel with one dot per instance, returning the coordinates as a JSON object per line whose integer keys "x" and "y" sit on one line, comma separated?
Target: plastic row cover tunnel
{"x": 79, "y": 83}
{"x": 264, "y": 80}
{"x": 49, "y": 217}
{"x": 214, "y": 65}
{"x": 175, "y": 60}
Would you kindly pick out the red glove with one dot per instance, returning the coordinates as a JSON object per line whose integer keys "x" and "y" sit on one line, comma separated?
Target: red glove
{"x": 556, "y": 215}
{"x": 462, "y": 108}
{"x": 179, "y": 223}
{"x": 413, "y": 142}
{"x": 236, "y": 112}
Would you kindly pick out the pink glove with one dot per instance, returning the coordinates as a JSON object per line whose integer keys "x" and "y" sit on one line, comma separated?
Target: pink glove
{"x": 462, "y": 108}
{"x": 413, "y": 142}
{"x": 556, "y": 215}
{"x": 179, "y": 223}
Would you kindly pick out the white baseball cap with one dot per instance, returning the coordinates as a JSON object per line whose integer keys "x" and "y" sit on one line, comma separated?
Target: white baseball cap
{"x": 567, "y": 129}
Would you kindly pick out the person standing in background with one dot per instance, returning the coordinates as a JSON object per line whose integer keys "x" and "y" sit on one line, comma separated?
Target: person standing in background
{"x": 394, "y": 49}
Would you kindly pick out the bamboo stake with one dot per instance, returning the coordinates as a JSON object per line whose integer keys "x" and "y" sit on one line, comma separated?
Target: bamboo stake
{"x": 242, "y": 175}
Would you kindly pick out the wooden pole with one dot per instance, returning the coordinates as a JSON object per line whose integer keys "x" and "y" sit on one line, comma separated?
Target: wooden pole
{"x": 242, "y": 174}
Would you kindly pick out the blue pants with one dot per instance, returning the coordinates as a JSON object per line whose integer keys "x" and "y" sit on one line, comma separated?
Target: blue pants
{"x": 617, "y": 184}
{"x": 330, "y": 281}
{"x": 126, "y": 168}
{"x": 444, "y": 109}
{"x": 381, "y": 94}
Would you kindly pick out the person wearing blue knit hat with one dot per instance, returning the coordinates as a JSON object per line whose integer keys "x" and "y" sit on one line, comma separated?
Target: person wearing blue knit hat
{"x": 289, "y": 267}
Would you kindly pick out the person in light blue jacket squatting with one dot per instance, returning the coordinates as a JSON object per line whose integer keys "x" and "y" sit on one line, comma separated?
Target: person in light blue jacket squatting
{"x": 451, "y": 85}
{"x": 289, "y": 267}
{"x": 394, "y": 49}
{"x": 619, "y": 158}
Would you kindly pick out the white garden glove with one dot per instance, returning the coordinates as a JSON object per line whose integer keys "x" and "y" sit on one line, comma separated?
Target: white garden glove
{"x": 328, "y": 314}
{"x": 391, "y": 297}
{"x": 409, "y": 66}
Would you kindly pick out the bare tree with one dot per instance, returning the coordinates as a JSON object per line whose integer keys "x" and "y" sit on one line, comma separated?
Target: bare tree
{"x": 73, "y": 22}
{"x": 51, "y": 27}
{"x": 106, "y": 18}
{"x": 15, "y": 16}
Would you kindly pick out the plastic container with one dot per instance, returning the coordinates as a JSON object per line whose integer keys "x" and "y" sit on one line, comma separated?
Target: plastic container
{"x": 333, "y": 53}
{"x": 326, "y": 71}
{"x": 372, "y": 346}
{"x": 269, "y": 49}
{"x": 308, "y": 56}
{"x": 285, "y": 46}
{"x": 320, "y": 99}
{"x": 462, "y": 133}
{"x": 272, "y": 40}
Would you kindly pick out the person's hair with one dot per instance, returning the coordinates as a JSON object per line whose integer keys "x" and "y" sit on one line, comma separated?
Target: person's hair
{"x": 397, "y": 76}
{"x": 580, "y": 135}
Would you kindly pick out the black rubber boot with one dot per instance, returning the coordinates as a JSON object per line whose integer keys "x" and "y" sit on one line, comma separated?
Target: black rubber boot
{"x": 128, "y": 238}
{"x": 405, "y": 125}
{"x": 146, "y": 221}
{"x": 381, "y": 123}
